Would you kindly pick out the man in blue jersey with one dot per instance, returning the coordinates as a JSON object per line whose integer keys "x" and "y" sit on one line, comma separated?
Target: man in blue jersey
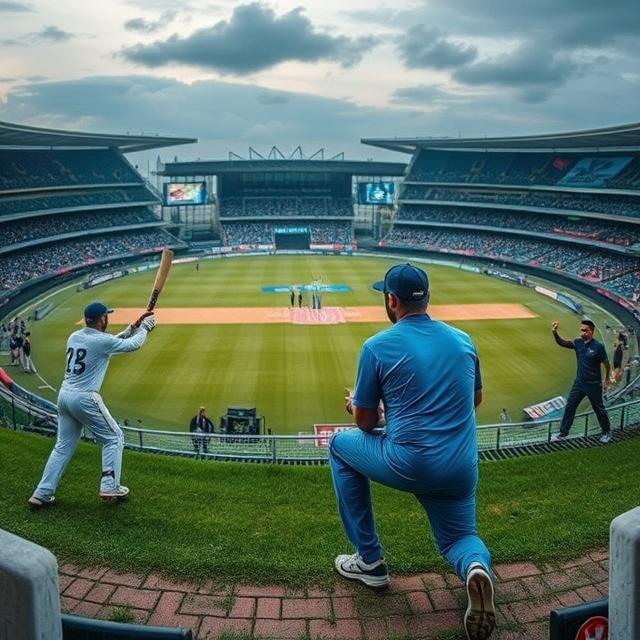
{"x": 424, "y": 376}
{"x": 590, "y": 355}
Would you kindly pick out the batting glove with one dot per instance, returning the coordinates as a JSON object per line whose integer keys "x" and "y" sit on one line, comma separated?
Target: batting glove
{"x": 148, "y": 323}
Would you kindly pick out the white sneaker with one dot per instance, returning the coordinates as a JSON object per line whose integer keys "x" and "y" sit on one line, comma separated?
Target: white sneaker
{"x": 558, "y": 437}
{"x": 119, "y": 493}
{"x": 480, "y": 618}
{"x": 35, "y": 503}
{"x": 374, "y": 575}
{"x": 605, "y": 438}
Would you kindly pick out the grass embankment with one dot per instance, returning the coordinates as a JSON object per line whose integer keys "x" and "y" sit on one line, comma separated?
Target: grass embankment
{"x": 267, "y": 524}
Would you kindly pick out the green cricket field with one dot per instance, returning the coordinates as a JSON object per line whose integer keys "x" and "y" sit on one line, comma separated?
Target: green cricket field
{"x": 222, "y": 340}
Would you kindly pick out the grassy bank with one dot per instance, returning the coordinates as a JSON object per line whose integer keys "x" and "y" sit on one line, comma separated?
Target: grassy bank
{"x": 252, "y": 523}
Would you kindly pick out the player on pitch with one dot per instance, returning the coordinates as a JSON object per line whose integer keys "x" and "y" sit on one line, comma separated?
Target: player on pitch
{"x": 80, "y": 404}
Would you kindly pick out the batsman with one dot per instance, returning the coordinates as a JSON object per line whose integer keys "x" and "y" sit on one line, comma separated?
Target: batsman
{"x": 80, "y": 403}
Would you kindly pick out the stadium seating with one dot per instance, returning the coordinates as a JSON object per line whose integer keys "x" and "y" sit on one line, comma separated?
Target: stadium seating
{"x": 29, "y": 229}
{"x": 253, "y": 233}
{"x": 599, "y": 229}
{"x": 594, "y": 203}
{"x": 592, "y": 264}
{"x": 31, "y": 169}
{"x": 48, "y": 195}
{"x": 18, "y": 268}
{"x": 509, "y": 168}
{"x": 285, "y": 206}
{"x": 72, "y": 200}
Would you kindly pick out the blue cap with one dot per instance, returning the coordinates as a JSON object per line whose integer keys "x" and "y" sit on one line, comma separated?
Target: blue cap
{"x": 409, "y": 283}
{"x": 95, "y": 310}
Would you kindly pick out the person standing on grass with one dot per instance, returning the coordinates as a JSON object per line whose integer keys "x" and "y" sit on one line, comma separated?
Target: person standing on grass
{"x": 200, "y": 424}
{"x": 590, "y": 356}
{"x": 26, "y": 350}
{"x": 80, "y": 404}
{"x": 617, "y": 358}
{"x": 427, "y": 376}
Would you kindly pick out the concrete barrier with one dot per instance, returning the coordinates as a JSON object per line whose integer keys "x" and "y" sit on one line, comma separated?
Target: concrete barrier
{"x": 624, "y": 576}
{"x": 29, "y": 599}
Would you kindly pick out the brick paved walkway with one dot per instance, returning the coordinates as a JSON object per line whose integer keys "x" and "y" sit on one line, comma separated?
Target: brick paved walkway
{"x": 428, "y": 605}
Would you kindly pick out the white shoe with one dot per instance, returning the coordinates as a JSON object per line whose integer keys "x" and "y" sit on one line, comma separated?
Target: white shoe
{"x": 119, "y": 493}
{"x": 480, "y": 618}
{"x": 557, "y": 437}
{"x": 374, "y": 575}
{"x": 35, "y": 503}
{"x": 605, "y": 438}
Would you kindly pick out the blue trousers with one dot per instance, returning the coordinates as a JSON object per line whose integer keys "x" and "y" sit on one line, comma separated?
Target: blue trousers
{"x": 447, "y": 491}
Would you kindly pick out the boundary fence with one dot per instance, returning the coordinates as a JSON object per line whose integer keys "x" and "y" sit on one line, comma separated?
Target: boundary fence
{"x": 22, "y": 414}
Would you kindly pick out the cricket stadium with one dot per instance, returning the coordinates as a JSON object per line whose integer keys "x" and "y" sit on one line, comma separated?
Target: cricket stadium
{"x": 262, "y": 319}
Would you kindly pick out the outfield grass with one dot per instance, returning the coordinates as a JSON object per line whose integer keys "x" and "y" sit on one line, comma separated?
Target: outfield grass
{"x": 294, "y": 374}
{"x": 265, "y": 524}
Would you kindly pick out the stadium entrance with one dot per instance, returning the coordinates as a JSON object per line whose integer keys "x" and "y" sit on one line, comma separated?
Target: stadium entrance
{"x": 292, "y": 238}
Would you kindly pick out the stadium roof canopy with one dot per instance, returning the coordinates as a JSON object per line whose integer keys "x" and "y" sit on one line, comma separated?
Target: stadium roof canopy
{"x": 620, "y": 138}
{"x": 217, "y": 167}
{"x": 21, "y": 136}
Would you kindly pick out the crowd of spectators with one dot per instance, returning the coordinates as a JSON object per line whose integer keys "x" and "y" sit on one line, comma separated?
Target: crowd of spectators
{"x": 286, "y": 206}
{"x": 589, "y": 263}
{"x": 481, "y": 167}
{"x": 26, "y": 230}
{"x": 331, "y": 233}
{"x": 239, "y": 233}
{"x": 593, "y": 203}
{"x": 26, "y": 169}
{"x": 487, "y": 168}
{"x": 626, "y": 286}
{"x": 598, "y": 229}
{"x": 18, "y": 268}
{"x": 72, "y": 199}
{"x": 253, "y": 233}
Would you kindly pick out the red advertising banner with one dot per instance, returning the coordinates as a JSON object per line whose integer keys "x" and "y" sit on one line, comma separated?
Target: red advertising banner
{"x": 324, "y": 431}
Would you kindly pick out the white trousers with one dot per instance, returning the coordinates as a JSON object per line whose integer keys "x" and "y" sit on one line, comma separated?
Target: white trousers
{"x": 75, "y": 410}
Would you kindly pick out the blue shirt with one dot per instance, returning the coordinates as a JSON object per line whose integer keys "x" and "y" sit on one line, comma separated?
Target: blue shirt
{"x": 426, "y": 373}
{"x": 590, "y": 357}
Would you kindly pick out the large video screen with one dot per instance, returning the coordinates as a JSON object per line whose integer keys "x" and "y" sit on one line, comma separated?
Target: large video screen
{"x": 376, "y": 192}
{"x": 594, "y": 172}
{"x": 181, "y": 193}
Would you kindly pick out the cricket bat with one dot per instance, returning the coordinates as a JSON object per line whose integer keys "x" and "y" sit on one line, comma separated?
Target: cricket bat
{"x": 161, "y": 278}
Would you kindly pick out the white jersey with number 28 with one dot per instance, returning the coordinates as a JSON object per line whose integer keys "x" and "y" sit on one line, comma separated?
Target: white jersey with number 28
{"x": 88, "y": 353}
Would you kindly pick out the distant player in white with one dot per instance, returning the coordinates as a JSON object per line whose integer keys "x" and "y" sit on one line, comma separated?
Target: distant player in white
{"x": 80, "y": 404}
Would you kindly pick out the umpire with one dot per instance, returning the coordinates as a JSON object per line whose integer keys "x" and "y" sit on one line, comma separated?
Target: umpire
{"x": 590, "y": 354}
{"x": 201, "y": 424}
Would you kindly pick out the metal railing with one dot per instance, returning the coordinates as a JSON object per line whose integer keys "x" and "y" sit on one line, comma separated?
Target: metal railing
{"x": 20, "y": 414}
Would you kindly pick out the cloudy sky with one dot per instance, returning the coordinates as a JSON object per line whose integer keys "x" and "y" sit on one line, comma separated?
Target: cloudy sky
{"x": 319, "y": 74}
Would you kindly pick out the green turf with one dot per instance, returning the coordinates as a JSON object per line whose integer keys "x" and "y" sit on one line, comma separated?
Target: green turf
{"x": 262, "y": 523}
{"x": 294, "y": 375}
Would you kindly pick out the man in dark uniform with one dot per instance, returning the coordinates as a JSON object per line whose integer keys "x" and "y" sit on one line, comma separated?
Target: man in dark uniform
{"x": 200, "y": 424}
{"x": 13, "y": 348}
{"x": 300, "y": 299}
{"x": 617, "y": 358}
{"x": 27, "y": 363}
{"x": 590, "y": 354}
{"x": 293, "y": 298}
